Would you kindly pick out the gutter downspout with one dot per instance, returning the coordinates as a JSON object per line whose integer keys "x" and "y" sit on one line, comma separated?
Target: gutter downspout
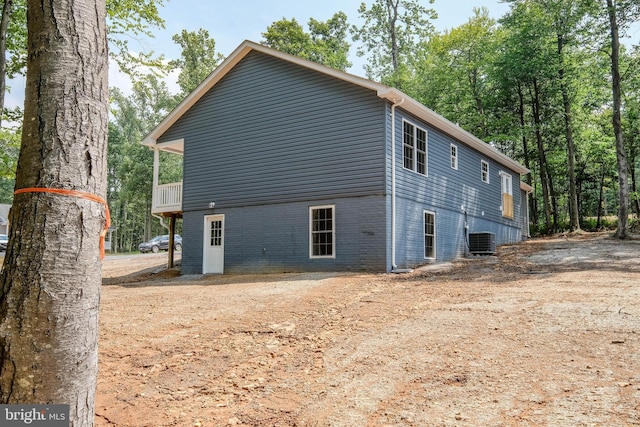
{"x": 156, "y": 173}
{"x": 397, "y": 102}
{"x": 161, "y": 219}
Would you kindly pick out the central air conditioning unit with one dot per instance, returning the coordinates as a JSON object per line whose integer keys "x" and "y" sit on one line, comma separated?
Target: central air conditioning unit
{"x": 482, "y": 243}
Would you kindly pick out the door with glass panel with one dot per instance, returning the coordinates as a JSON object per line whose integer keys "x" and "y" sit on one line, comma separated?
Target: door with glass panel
{"x": 213, "y": 256}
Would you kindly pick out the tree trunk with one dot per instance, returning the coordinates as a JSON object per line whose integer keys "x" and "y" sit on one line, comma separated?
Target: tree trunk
{"x": 635, "y": 206}
{"x": 50, "y": 282}
{"x": 574, "y": 214}
{"x": 601, "y": 198}
{"x": 7, "y": 8}
{"x": 392, "y": 13}
{"x": 533, "y": 209}
{"x": 544, "y": 176}
{"x": 554, "y": 198}
{"x": 623, "y": 180}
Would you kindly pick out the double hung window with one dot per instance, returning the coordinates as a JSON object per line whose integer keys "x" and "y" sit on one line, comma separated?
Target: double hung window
{"x": 429, "y": 235}
{"x": 454, "y": 156}
{"x": 485, "y": 171}
{"x": 414, "y": 148}
{"x": 322, "y": 231}
{"x": 507, "y": 195}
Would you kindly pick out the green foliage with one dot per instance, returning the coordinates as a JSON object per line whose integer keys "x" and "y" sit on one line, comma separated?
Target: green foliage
{"x": 6, "y": 190}
{"x": 463, "y": 92}
{"x": 390, "y": 35}
{"x": 9, "y": 149}
{"x": 606, "y": 223}
{"x": 325, "y": 43}
{"x": 130, "y": 165}
{"x": 17, "y": 40}
{"x": 129, "y": 19}
{"x": 126, "y": 19}
{"x": 198, "y": 58}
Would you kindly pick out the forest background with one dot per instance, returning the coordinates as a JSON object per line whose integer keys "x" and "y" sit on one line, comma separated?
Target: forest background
{"x": 536, "y": 83}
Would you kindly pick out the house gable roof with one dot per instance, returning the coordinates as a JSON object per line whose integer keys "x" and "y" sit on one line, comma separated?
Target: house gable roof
{"x": 383, "y": 91}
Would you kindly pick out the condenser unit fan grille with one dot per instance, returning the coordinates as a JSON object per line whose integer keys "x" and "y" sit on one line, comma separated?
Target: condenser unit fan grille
{"x": 482, "y": 243}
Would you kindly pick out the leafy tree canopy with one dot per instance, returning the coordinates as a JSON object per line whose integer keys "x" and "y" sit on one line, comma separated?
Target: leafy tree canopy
{"x": 391, "y": 32}
{"x": 325, "y": 43}
{"x": 198, "y": 58}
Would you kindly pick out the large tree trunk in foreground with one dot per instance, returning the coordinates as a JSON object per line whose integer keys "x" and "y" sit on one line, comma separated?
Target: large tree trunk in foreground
{"x": 50, "y": 282}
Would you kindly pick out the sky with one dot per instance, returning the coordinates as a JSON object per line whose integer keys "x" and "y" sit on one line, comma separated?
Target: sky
{"x": 231, "y": 22}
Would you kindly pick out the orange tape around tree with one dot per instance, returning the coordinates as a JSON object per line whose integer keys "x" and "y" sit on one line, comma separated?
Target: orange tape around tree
{"x": 82, "y": 195}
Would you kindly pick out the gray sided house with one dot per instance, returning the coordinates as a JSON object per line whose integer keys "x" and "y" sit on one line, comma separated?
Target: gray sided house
{"x": 4, "y": 218}
{"x": 292, "y": 166}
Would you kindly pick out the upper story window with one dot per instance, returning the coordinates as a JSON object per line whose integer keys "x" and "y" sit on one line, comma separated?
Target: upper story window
{"x": 454, "y": 156}
{"x": 507, "y": 195}
{"x": 414, "y": 147}
{"x": 485, "y": 171}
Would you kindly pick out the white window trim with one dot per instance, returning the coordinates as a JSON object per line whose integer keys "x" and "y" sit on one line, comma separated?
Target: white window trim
{"x": 482, "y": 163}
{"x": 333, "y": 232}
{"x": 454, "y": 158}
{"x": 509, "y": 181}
{"x": 506, "y": 178}
{"x": 424, "y": 234}
{"x": 415, "y": 148}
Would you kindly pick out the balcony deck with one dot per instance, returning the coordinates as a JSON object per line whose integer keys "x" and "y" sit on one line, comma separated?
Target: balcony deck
{"x": 167, "y": 198}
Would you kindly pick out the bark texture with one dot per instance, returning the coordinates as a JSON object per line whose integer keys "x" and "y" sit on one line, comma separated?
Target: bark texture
{"x": 50, "y": 282}
{"x": 621, "y": 153}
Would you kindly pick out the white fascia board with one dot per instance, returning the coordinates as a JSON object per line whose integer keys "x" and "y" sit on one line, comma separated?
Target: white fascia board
{"x": 188, "y": 102}
{"x": 526, "y": 187}
{"x": 439, "y": 122}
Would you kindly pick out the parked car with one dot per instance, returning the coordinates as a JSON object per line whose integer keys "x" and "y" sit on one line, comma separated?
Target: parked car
{"x": 160, "y": 243}
{"x": 4, "y": 240}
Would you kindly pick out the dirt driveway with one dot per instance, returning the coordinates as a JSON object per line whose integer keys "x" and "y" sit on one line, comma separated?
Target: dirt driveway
{"x": 545, "y": 334}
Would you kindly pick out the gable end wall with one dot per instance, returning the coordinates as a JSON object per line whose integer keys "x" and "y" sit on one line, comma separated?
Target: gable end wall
{"x": 269, "y": 140}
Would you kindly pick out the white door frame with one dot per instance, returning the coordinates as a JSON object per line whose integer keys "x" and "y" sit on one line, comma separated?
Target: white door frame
{"x": 212, "y": 254}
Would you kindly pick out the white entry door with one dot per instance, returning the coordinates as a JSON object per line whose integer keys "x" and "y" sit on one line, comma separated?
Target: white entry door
{"x": 213, "y": 242}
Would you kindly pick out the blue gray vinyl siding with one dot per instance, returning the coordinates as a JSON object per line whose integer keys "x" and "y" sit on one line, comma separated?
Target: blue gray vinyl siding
{"x": 272, "y": 138}
{"x": 275, "y": 237}
{"x": 274, "y": 132}
{"x": 266, "y": 142}
{"x": 449, "y": 193}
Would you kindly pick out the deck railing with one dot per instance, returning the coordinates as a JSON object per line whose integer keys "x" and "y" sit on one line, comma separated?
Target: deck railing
{"x": 168, "y": 198}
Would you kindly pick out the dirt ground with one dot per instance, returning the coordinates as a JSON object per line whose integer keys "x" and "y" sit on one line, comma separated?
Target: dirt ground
{"x": 546, "y": 333}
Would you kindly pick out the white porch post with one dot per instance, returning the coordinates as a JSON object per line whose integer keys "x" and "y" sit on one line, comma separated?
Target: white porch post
{"x": 156, "y": 171}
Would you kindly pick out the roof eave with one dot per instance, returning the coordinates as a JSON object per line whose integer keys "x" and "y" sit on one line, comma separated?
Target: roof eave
{"x": 411, "y": 105}
{"x": 383, "y": 91}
